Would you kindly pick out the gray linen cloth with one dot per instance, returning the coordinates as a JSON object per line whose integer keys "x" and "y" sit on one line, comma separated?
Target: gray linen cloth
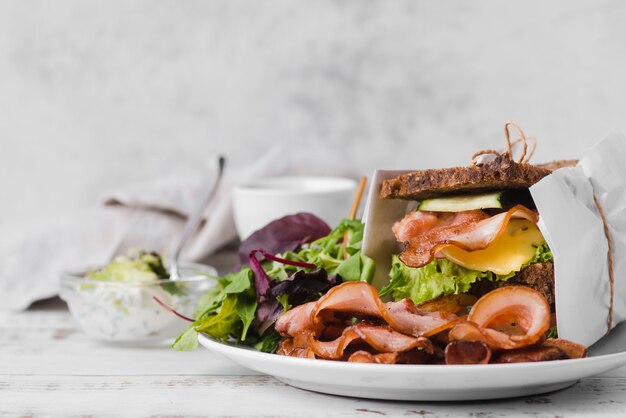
{"x": 147, "y": 216}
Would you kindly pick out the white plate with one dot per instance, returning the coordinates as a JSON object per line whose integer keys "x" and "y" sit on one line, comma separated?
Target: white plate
{"x": 429, "y": 382}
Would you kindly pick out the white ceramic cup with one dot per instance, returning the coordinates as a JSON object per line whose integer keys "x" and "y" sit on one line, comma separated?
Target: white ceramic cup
{"x": 261, "y": 201}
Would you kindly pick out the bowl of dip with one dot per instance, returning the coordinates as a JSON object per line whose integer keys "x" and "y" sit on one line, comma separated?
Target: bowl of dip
{"x": 116, "y": 303}
{"x": 263, "y": 200}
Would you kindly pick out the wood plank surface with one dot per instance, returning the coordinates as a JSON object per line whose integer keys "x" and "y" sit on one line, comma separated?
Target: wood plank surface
{"x": 50, "y": 368}
{"x": 50, "y": 342}
{"x": 184, "y": 396}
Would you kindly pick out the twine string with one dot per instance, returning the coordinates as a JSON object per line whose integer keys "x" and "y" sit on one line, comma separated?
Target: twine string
{"x": 524, "y": 157}
{"x": 522, "y": 137}
{"x": 609, "y": 240}
{"x": 483, "y": 152}
{"x": 533, "y": 146}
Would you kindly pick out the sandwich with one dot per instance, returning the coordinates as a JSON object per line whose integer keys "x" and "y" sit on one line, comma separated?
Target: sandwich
{"x": 472, "y": 282}
{"x": 473, "y": 229}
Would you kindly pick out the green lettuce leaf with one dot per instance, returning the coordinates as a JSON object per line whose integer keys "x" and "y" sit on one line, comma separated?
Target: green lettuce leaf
{"x": 439, "y": 277}
{"x": 333, "y": 256}
{"x": 330, "y": 254}
{"x": 229, "y": 308}
{"x": 233, "y": 283}
{"x": 543, "y": 254}
{"x": 552, "y": 333}
{"x": 246, "y": 308}
{"x": 268, "y": 343}
{"x": 224, "y": 323}
{"x": 188, "y": 340}
{"x": 210, "y": 301}
{"x": 443, "y": 277}
{"x": 284, "y": 300}
{"x": 238, "y": 282}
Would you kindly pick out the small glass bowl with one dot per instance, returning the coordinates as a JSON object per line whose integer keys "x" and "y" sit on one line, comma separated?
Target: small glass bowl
{"x": 126, "y": 312}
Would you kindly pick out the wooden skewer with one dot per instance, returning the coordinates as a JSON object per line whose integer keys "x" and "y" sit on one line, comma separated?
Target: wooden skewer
{"x": 353, "y": 212}
{"x": 357, "y": 198}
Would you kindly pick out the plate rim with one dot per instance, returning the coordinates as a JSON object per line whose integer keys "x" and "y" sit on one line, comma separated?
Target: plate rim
{"x": 250, "y": 353}
{"x": 418, "y": 382}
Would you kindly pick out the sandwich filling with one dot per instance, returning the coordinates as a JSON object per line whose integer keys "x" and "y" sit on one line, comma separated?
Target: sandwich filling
{"x": 448, "y": 252}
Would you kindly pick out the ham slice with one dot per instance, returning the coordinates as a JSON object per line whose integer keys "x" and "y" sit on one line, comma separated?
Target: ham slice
{"x": 467, "y": 352}
{"x": 407, "y": 357}
{"x": 509, "y": 322}
{"x": 419, "y": 222}
{"x": 362, "y": 356}
{"x": 570, "y": 348}
{"x": 424, "y": 234}
{"x": 359, "y": 299}
{"x": 506, "y": 318}
{"x": 380, "y": 338}
{"x": 455, "y": 303}
{"x": 297, "y": 346}
{"x": 530, "y": 354}
{"x": 295, "y": 320}
{"x": 405, "y": 317}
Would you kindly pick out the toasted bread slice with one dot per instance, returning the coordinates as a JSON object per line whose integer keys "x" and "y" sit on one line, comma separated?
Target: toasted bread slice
{"x": 500, "y": 174}
{"x": 538, "y": 276}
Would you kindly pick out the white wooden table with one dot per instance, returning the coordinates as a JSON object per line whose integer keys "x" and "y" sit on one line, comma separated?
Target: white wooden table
{"x": 48, "y": 367}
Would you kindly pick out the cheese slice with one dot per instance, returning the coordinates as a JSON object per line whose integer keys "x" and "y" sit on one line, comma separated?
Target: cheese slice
{"x": 515, "y": 247}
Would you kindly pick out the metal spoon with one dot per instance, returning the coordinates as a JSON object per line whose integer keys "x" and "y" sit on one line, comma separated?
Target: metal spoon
{"x": 194, "y": 219}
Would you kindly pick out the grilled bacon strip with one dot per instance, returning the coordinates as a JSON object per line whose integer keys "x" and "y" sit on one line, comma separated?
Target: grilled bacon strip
{"x": 363, "y": 356}
{"x": 467, "y": 352}
{"x": 506, "y": 325}
{"x": 424, "y": 234}
{"x": 407, "y": 357}
{"x": 506, "y": 318}
{"x": 361, "y": 300}
{"x": 570, "y": 348}
{"x": 380, "y": 338}
{"x": 532, "y": 353}
{"x": 296, "y": 320}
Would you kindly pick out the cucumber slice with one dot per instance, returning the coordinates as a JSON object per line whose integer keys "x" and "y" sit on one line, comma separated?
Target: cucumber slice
{"x": 495, "y": 200}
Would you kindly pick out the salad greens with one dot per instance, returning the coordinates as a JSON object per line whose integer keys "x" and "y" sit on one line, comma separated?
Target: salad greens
{"x": 285, "y": 234}
{"x": 552, "y": 332}
{"x": 443, "y": 277}
{"x": 244, "y": 305}
{"x": 337, "y": 257}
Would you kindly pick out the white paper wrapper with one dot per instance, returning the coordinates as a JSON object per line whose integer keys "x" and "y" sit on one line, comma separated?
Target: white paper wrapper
{"x": 570, "y": 223}
{"x": 379, "y": 243}
{"x": 573, "y": 228}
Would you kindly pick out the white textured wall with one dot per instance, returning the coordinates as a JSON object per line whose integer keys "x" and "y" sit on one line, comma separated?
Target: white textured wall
{"x": 97, "y": 94}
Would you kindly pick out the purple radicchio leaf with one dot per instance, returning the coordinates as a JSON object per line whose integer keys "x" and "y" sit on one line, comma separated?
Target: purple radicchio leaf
{"x": 285, "y": 261}
{"x": 261, "y": 280}
{"x": 266, "y": 314}
{"x": 304, "y": 286}
{"x": 301, "y": 287}
{"x": 284, "y": 234}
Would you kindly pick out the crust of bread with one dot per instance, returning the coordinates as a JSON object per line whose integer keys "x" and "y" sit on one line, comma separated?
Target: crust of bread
{"x": 500, "y": 174}
{"x": 538, "y": 276}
